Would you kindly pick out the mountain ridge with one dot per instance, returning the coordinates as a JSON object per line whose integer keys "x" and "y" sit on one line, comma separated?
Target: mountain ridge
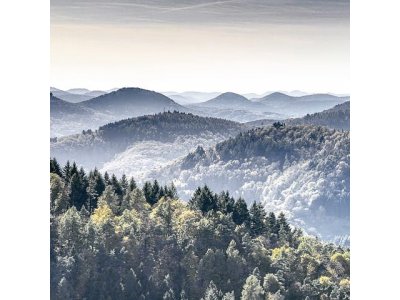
{"x": 337, "y": 117}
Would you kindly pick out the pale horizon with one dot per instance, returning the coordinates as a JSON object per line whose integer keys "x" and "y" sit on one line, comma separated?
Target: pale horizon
{"x": 214, "y": 46}
{"x": 108, "y": 89}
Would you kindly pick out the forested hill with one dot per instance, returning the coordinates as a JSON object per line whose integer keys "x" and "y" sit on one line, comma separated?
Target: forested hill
{"x": 337, "y": 117}
{"x": 165, "y": 126}
{"x": 302, "y": 170}
{"x": 113, "y": 239}
{"x": 93, "y": 148}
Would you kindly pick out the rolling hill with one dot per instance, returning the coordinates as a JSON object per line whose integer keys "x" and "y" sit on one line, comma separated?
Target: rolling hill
{"x": 232, "y": 101}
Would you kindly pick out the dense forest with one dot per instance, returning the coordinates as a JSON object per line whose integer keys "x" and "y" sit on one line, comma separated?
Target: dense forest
{"x": 111, "y": 239}
{"x": 94, "y": 147}
{"x": 302, "y": 170}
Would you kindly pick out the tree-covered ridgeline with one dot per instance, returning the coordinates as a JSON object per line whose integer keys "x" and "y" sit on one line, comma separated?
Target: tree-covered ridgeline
{"x": 95, "y": 147}
{"x": 111, "y": 239}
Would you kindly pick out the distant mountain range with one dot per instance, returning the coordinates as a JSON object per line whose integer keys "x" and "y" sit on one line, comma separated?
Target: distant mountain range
{"x": 299, "y": 106}
{"x": 103, "y": 107}
{"x": 233, "y": 107}
{"x": 274, "y": 106}
{"x": 193, "y": 97}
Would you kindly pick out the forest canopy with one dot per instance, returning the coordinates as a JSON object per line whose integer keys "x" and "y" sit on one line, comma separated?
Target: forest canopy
{"x": 111, "y": 239}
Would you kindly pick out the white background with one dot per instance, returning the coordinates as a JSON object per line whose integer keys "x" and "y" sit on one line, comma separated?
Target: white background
{"x": 24, "y": 150}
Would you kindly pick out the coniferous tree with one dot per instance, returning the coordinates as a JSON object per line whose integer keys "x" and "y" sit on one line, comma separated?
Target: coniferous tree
{"x": 132, "y": 184}
{"x": 171, "y": 192}
{"x": 257, "y": 219}
{"x": 203, "y": 200}
{"x": 82, "y": 173}
{"x": 78, "y": 193}
{"x": 164, "y": 191}
{"x": 55, "y": 167}
{"x": 74, "y": 169}
{"x": 284, "y": 229}
{"x": 67, "y": 171}
{"x": 124, "y": 184}
{"x": 272, "y": 224}
{"x": 147, "y": 191}
{"x": 240, "y": 212}
{"x": 116, "y": 185}
{"x": 96, "y": 186}
{"x": 155, "y": 193}
{"x": 107, "y": 178}
{"x": 226, "y": 204}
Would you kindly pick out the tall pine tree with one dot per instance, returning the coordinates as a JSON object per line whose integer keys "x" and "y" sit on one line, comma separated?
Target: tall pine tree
{"x": 240, "y": 212}
{"x": 257, "y": 219}
{"x": 203, "y": 200}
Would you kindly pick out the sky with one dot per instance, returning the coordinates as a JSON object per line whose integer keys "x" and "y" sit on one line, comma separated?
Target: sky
{"x": 241, "y": 46}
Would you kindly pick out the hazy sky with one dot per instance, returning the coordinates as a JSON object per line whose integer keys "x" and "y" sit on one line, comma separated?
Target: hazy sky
{"x": 233, "y": 45}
